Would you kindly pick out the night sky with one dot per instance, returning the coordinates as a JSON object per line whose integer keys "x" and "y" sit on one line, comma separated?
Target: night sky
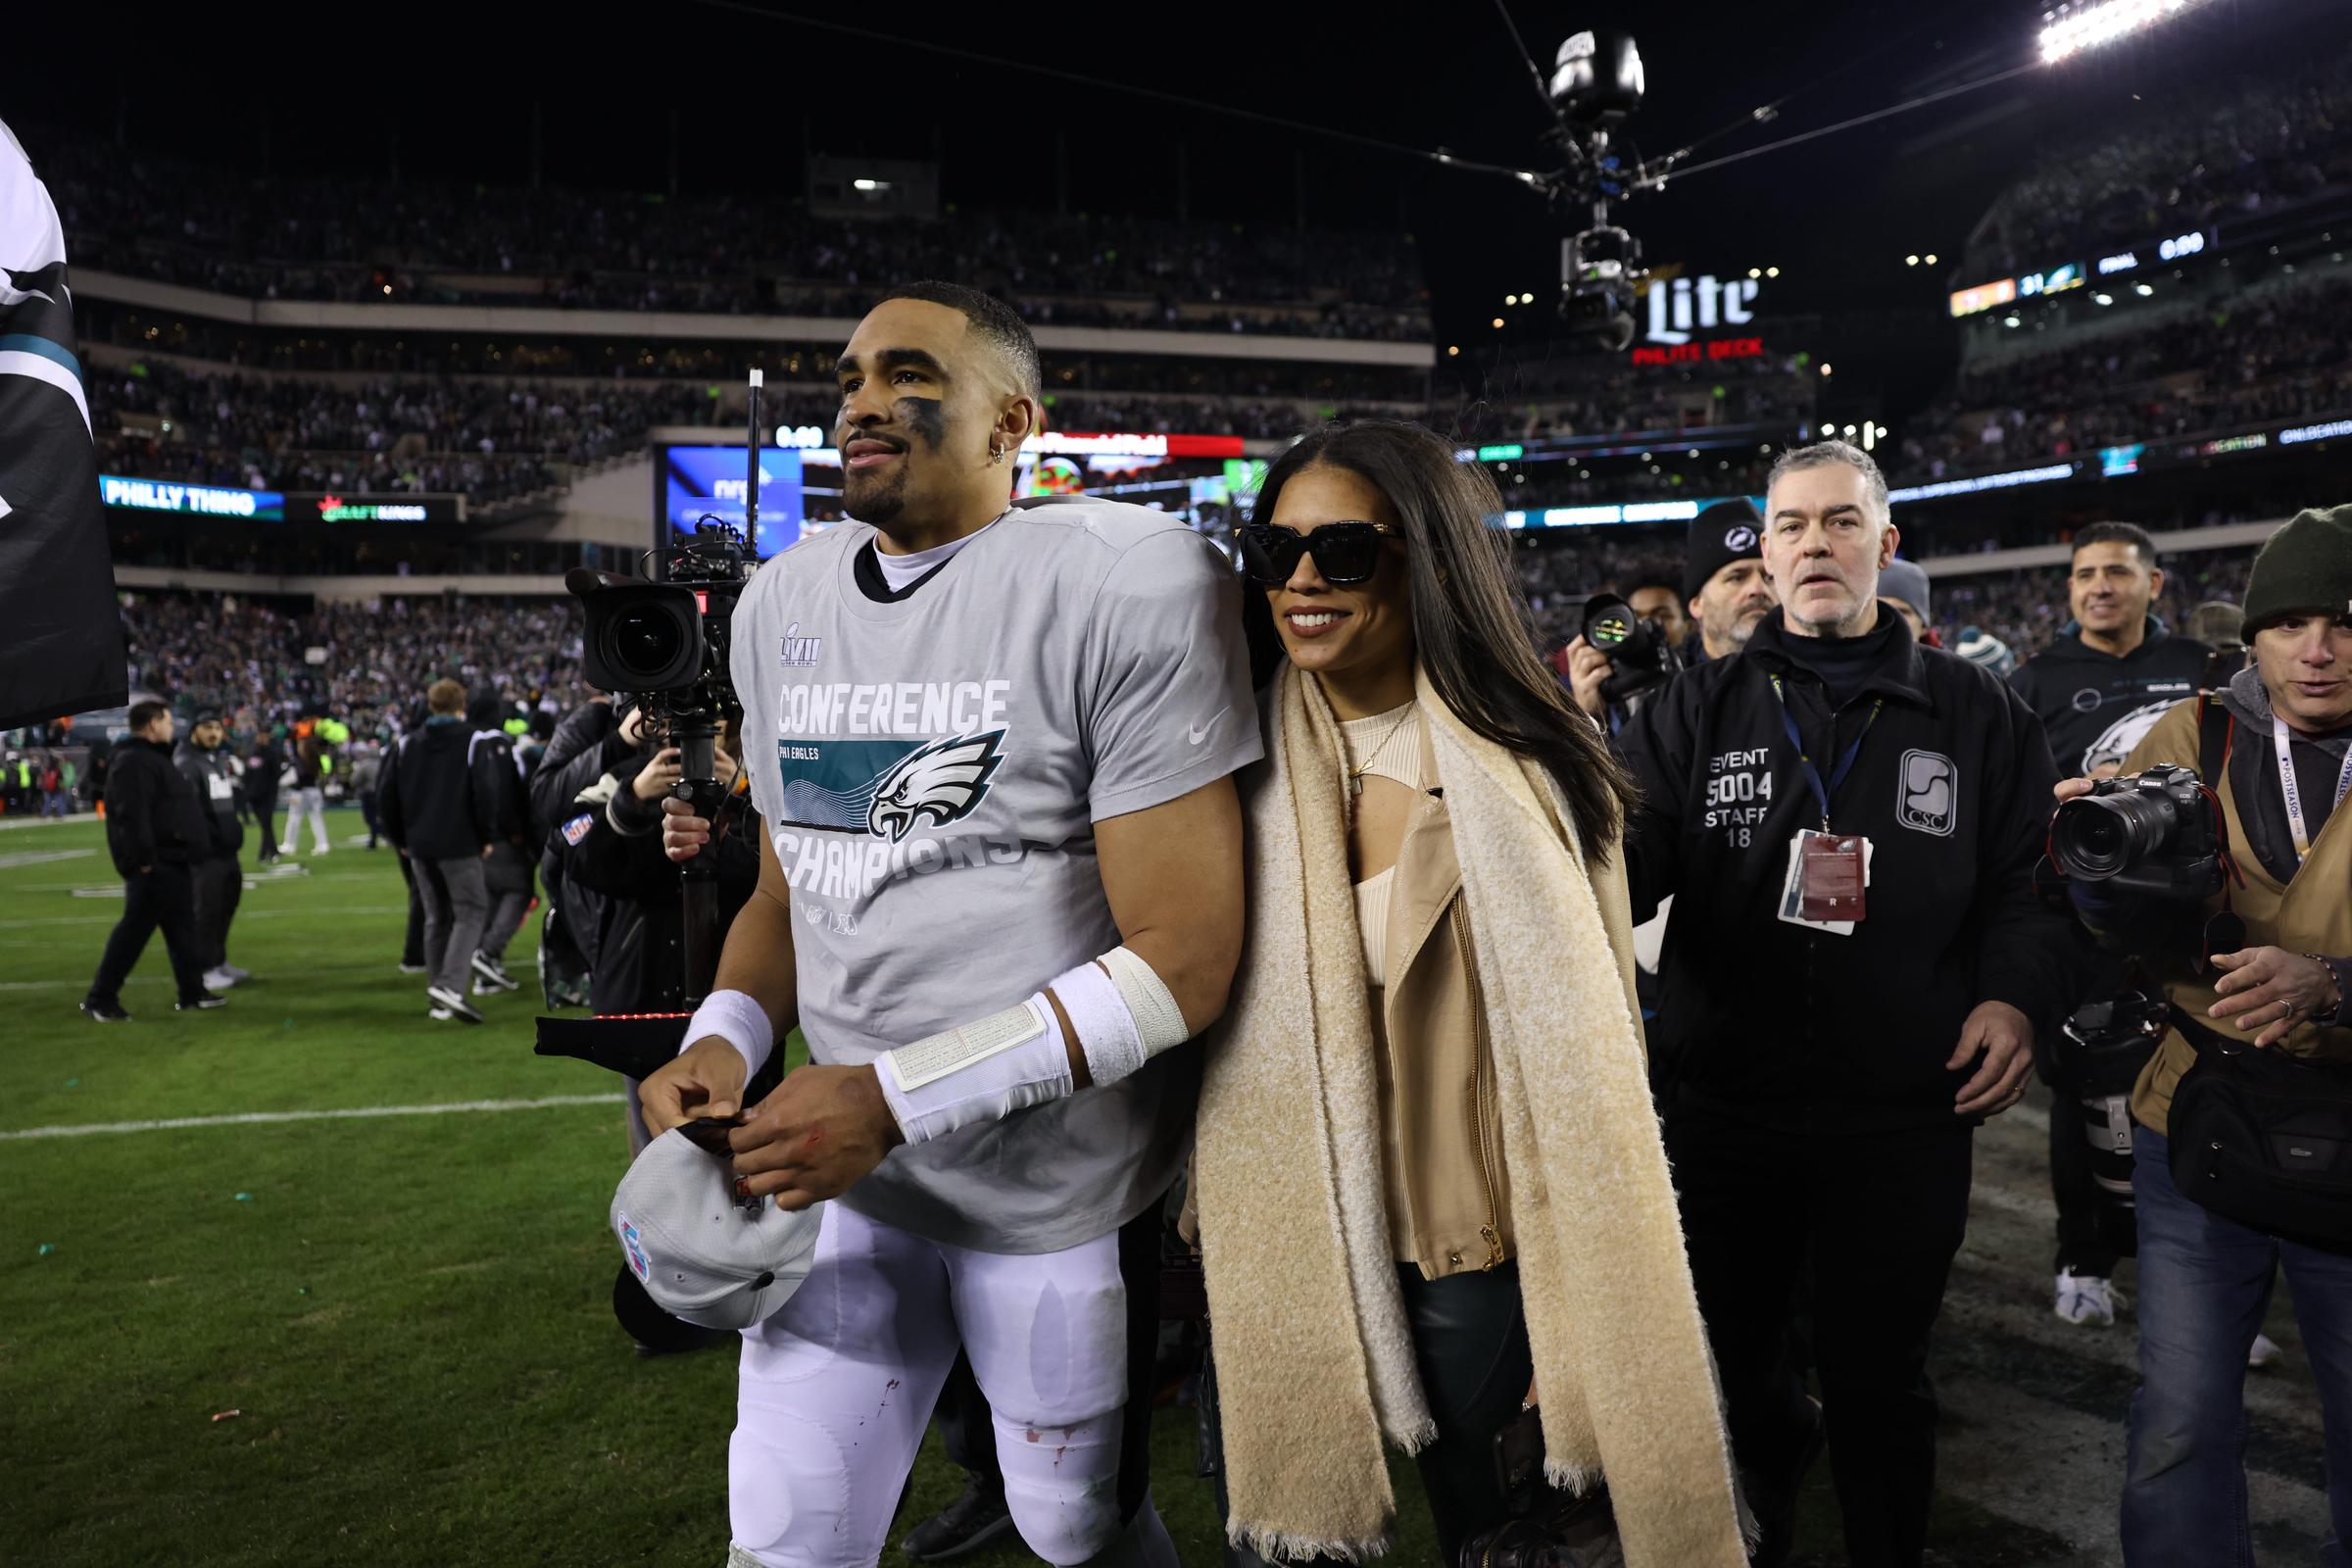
{"x": 442, "y": 93}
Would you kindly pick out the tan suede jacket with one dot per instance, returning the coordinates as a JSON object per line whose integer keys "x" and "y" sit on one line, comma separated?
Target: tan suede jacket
{"x": 1449, "y": 1196}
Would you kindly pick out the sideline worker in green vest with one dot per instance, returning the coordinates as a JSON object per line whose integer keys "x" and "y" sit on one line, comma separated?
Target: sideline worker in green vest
{"x": 2285, "y": 729}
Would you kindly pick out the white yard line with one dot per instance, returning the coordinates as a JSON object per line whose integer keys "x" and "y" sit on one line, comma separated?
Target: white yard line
{"x": 248, "y": 1118}
{"x": 22, "y": 858}
{"x": 242, "y": 914}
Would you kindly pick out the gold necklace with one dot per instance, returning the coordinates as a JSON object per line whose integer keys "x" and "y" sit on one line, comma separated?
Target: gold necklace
{"x": 1355, "y": 776}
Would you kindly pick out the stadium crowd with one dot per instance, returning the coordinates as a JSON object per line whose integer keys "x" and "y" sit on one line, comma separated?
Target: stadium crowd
{"x": 2187, "y": 160}
{"x": 2279, "y": 356}
{"x": 358, "y": 240}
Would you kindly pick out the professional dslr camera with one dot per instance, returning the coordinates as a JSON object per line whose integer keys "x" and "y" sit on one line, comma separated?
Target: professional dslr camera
{"x": 666, "y": 643}
{"x": 2155, "y": 833}
{"x": 1636, "y": 648}
{"x": 2101, "y": 1050}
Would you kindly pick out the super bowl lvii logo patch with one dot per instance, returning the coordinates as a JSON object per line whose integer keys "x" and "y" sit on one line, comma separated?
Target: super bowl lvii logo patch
{"x": 1927, "y": 794}
{"x": 634, "y": 1245}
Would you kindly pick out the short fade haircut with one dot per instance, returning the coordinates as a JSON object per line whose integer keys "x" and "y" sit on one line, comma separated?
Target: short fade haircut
{"x": 1820, "y": 454}
{"x": 2115, "y": 533}
{"x": 145, "y": 713}
{"x": 994, "y": 321}
{"x": 445, "y": 696}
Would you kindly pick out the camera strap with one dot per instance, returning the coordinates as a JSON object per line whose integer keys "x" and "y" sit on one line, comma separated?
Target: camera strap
{"x": 2295, "y": 828}
{"x": 1845, "y": 763}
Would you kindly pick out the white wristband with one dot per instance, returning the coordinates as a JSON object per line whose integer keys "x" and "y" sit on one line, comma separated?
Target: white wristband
{"x": 1105, "y": 1027}
{"x": 736, "y": 1017}
{"x": 982, "y": 1071}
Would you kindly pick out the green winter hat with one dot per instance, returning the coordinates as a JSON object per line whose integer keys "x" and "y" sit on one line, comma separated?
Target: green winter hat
{"x": 2305, "y": 566}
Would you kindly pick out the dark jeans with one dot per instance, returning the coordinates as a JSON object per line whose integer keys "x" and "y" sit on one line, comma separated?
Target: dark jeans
{"x": 456, "y": 904}
{"x": 368, "y": 811}
{"x": 412, "y": 947}
{"x": 265, "y": 809}
{"x": 1470, "y": 1345}
{"x": 220, "y": 886}
{"x": 2077, "y": 1192}
{"x": 2204, "y": 1285}
{"x": 1872, "y": 1220}
{"x": 163, "y": 897}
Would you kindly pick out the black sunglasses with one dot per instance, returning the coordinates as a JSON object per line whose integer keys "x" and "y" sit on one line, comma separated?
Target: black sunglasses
{"x": 1346, "y": 553}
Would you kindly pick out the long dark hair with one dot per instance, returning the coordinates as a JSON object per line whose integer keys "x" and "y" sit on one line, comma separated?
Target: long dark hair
{"x": 1471, "y": 626}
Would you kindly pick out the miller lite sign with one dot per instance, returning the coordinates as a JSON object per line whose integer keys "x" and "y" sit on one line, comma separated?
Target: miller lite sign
{"x": 1700, "y": 303}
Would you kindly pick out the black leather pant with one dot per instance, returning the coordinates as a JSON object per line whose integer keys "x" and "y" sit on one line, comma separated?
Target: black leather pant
{"x": 1470, "y": 1344}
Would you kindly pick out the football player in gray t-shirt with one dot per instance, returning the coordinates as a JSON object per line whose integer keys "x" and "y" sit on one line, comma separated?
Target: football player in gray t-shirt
{"x": 992, "y": 746}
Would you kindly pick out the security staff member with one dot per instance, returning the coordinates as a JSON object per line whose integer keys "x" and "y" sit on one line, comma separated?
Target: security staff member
{"x": 155, "y": 829}
{"x": 1845, "y": 991}
{"x": 2099, "y": 687}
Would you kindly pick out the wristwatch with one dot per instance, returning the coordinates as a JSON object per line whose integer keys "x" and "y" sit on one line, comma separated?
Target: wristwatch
{"x": 2341, "y": 971}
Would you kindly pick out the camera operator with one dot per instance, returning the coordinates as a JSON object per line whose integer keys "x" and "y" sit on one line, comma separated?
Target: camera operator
{"x": 1724, "y": 580}
{"x": 580, "y": 749}
{"x": 1658, "y": 600}
{"x": 1851, "y": 822}
{"x": 2275, "y": 750}
{"x": 2099, "y": 687}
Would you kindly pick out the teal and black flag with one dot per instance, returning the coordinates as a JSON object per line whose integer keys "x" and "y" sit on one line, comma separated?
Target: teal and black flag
{"x": 61, "y": 638}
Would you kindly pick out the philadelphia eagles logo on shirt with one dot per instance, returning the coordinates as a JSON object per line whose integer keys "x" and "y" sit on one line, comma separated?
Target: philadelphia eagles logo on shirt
{"x": 887, "y": 789}
{"x": 943, "y": 781}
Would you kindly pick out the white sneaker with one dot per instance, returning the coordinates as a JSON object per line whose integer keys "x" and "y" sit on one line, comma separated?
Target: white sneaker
{"x": 285, "y": 848}
{"x": 439, "y": 1013}
{"x": 2265, "y": 1351}
{"x": 219, "y": 979}
{"x": 2087, "y": 1300}
{"x": 236, "y": 973}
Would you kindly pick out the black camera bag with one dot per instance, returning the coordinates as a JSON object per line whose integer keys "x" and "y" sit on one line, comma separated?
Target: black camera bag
{"x": 2257, "y": 1136}
{"x": 2265, "y": 1139}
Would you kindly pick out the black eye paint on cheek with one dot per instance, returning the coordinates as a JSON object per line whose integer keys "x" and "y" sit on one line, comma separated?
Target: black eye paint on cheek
{"x": 926, "y": 418}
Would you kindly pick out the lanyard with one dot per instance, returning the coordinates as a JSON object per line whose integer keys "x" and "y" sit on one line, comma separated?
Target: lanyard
{"x": 2294, "y": 797}
{"x": 1846, "y": 764}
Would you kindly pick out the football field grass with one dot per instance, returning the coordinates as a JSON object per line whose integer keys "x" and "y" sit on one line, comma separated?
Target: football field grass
{"x": 379, "y": 1339}
{"x": 408, "y": 1314}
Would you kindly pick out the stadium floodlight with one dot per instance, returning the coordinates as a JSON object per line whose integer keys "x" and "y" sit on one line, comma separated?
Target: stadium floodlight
{"x": 2072, "y": 28}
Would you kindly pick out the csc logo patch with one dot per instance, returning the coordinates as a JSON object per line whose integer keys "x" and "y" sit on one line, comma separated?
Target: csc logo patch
{"x": 1927, "y": 794}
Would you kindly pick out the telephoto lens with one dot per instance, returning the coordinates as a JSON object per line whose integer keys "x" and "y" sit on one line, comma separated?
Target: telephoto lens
{"x": 2150, "y": 832}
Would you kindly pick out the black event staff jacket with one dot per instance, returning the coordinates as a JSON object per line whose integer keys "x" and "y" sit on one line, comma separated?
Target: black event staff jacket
{"x": 611, "y": 842}
{"x": 1808, "y": 1029}
{"x": 213, "y": 776}
{"x": 2097, "y": 706}
{"x": 432, "y": 802}
{"x": 152, "y": 817}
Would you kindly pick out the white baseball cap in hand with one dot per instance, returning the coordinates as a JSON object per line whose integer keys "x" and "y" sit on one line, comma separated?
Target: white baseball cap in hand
{"x": 700, "y": 1254}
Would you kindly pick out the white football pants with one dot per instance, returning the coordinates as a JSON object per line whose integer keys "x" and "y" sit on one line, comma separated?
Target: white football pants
{"x": 835, "y": 1391}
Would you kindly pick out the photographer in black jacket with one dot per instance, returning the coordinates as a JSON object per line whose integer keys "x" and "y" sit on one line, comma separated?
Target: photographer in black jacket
{"x": 2099, "y": 687}
{"x": 155, "y": 830}
{"x": 1845, "y": 991}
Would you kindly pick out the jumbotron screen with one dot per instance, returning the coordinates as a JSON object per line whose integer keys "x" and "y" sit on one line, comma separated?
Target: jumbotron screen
{"x": 1200, "y": 479}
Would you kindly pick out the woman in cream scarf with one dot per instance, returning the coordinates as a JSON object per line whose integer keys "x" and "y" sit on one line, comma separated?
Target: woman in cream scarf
{"x": 1342, "y": 1315}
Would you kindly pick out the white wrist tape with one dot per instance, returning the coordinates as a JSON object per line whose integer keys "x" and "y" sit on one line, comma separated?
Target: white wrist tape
{"x": 736, "y": 1017}
{"x": 1122, "y": 1012}
{"x": 980, "y": 1071}
{"x": 1158, "y": 1018}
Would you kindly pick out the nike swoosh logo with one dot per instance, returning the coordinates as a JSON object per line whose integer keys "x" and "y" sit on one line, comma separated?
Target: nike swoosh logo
{"x": 1199, "y": 732}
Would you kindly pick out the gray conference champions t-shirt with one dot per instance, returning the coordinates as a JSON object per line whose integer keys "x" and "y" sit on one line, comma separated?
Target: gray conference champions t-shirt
{"x": 931, "y": 769}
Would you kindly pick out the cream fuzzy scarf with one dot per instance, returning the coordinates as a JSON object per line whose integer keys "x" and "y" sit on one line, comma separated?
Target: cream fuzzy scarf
{"x": 1315, "y": 1354}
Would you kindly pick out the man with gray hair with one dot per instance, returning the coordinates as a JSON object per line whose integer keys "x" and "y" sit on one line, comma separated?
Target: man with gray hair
{"x": 1845, "y": 995}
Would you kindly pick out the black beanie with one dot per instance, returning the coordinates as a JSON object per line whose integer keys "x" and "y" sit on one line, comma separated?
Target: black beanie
{"x": 1727, "y": 531}
{"x": 2305, "y": 566}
